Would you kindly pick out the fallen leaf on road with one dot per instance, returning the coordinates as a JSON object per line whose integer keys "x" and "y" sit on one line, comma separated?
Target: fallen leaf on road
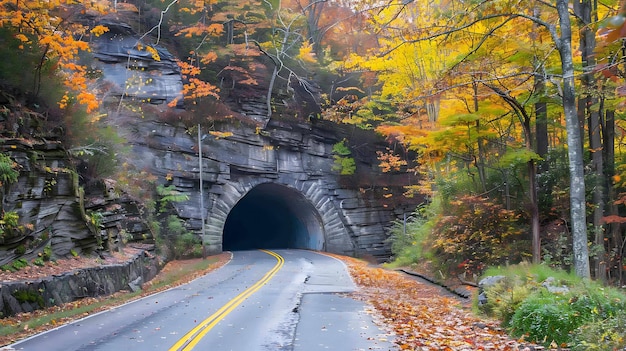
{"x": 420, "y": 316}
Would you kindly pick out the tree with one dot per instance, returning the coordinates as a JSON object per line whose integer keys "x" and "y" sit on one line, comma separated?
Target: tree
{"x": 466, "y": 31}
{"x": 50, "y": 28}
{"x": 289, "y": 51}
{"x": 412, "y": 70}
{"x": 610, "y": 78}
{"x": 588, "y": 107}
{"x": 563, "y": 41}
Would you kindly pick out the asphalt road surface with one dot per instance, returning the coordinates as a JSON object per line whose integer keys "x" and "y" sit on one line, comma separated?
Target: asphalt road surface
{"x": 261, "y": 300}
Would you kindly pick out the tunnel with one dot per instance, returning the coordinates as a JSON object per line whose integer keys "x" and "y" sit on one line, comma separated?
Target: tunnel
{"x": 273, "y": 216}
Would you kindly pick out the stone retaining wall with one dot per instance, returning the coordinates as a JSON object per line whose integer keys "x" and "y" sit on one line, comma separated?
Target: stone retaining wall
{"x": 27, "y": 296}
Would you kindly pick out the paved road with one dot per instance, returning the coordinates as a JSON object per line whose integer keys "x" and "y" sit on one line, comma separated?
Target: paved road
{"x": 261, "y": 300}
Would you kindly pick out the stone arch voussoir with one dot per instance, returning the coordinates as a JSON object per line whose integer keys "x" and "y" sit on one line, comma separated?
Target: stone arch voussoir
{"x": 334, "y": 234}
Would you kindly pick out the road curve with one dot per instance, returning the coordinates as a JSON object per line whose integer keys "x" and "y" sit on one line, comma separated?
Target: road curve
{"x": 261, "y": 300}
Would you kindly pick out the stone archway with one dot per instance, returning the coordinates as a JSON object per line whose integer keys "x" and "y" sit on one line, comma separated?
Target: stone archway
{"x": 304, "y": 207}
{"x": 273, "y": 216}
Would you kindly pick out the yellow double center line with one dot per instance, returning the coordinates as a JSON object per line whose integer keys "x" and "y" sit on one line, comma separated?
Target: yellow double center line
{"x": 193, "y": 337}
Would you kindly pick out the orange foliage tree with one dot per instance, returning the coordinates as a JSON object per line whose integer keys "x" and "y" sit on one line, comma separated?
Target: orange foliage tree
{"x": 476, "y": 234}
{"x": 51, "y": 30}
{"x": 217, "y": 39}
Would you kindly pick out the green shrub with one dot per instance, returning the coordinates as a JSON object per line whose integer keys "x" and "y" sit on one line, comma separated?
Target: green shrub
{"x": 596, "y": 301}
{"x": 43, "y": 256}
{"x": 504, "y": 298}
{"x": 187, "y": 245}
{"x": 39, "y": 262}
{"x": 583, "y": 311}
{"x": 546, "y": 318}
{"x": 169, "y": 194}
{"x": 343, "y": 161}
{"x": 607, "y": 334}
{"x": 19, "y": 264}
{"x": 8, "y": 268}
{"x": 155, "y": 230}
{"x": 175, "y": 226}
{"x": 409, "y": 240}
{"x": 8, "y": 174}
{"x": 29, "y": 296}
{"x": 344, "y": 165}
{"x": 10, "y": 219}
{"x": 47, "y": 253}
{"x": 183, "y": 243}
{"x": 9, "y": 225}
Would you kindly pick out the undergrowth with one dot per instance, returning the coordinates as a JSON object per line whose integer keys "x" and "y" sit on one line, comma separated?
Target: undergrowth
{"x": 556, "y": 308}
{"x": 409, "y": 237}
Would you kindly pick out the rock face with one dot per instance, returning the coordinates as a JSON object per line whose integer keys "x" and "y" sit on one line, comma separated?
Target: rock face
{"x": 270, "y": 175}
{"x": 290, "y": 163}
{"x": 134, "y": 72}
{"x": 279, "y": 170}
{"x": 54, "y": 213}
{"x": 46, "y": 197}
{"x": 266, "y": 182}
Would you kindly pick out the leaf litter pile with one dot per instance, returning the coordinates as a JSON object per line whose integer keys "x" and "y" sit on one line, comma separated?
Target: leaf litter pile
{"x": 421, "y": 317}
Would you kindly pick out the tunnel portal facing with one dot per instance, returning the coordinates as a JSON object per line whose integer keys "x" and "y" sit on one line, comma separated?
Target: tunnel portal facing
{"x": 273, "y": 216}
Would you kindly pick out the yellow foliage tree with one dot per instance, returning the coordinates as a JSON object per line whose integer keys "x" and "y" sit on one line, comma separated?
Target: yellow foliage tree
{"x": 464, "y": 75}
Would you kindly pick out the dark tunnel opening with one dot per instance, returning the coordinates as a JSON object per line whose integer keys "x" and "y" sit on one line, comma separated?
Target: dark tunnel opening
{"x": 272, "y": 216}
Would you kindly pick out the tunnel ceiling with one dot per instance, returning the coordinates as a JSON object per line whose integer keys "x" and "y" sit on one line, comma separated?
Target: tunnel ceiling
{"x": 273, "y": 216}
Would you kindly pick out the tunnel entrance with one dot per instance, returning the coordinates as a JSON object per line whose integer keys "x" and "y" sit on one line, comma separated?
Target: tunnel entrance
{"x": 273, "y": 216}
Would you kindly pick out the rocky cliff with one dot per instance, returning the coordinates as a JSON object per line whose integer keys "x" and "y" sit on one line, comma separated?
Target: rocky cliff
{"x": 282, "y": 165}
{"x": 345, "y": 214}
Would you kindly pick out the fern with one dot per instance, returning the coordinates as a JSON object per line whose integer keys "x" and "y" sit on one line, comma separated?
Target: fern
{"x": 344, "y": 164}
{"x": 8, "y": 174}
{"x": 168, "y": 195}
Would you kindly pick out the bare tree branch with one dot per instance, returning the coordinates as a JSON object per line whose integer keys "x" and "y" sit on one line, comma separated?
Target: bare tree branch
{"x": 157, "y": 26}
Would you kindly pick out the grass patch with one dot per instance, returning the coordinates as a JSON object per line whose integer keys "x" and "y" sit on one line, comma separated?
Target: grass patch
{"x": 65, "y": 314}
{"x": 181, "y": 272}
{"x": 538, "y": 273}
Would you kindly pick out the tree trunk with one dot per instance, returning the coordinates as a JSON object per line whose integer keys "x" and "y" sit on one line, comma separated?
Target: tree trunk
{"x": 532, "y": 190}
{"x": 541, "y": 107}
{"x": 268, "y": 98}
{"x": 230, "y": 32}
{"x": 532, "y": 171}
{"x": 480, "y": 160}
{"x": 541, "y": 148}
{"x": 534, "y": 203}
{"x": 598, "y": 196}
{"x": 313, "y": 12}
{"x": 576, "y": 166}
{"x": 609, "y": 166}
{"x": 541, "y": 126}
{"x": 584, "y": 9}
